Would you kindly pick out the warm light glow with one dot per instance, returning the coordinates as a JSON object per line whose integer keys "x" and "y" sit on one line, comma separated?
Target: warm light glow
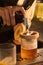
{"x": 20, "y": 2}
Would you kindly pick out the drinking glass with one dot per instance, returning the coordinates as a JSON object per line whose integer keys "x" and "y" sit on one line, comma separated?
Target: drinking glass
{"x": 29, "y": 45}
{"x": 8, "y": 53}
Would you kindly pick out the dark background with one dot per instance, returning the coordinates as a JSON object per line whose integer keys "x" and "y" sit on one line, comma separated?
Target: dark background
{"x": 7, "y": 2}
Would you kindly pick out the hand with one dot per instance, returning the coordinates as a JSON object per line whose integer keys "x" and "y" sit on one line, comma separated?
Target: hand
{"x": 4, "y": 14}
{"x": 18, "y": 8}
{"x": 9, "y": 14}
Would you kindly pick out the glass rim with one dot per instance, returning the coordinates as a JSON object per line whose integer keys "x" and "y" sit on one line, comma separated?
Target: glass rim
{"x": 7, "y": 46}
{"x": 33, "y": 34}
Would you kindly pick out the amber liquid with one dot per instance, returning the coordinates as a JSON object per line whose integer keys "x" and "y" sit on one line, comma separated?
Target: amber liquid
{"x": 29, "y": 54}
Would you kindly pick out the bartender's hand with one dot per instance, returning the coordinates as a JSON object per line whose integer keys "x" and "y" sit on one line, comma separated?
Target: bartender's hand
{"x": 9, "y": 14}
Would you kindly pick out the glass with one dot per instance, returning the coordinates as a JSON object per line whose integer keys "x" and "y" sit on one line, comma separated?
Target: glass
{"x": 39, "y": 10}
{"x": 8, "y": 53}
{"x": 29, "y": 45}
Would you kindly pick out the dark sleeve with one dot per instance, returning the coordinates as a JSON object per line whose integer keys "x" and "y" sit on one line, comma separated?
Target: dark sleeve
{"x": 7, "y": 2}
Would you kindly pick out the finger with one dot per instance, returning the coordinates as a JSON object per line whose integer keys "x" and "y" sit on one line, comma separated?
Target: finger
{"x": 3, "y": 16}
{"x": 12, "y": 20}
{"x": 7, "y": 16}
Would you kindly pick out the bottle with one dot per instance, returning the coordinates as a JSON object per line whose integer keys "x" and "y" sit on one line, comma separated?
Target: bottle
{"x": 39, "y": 10}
